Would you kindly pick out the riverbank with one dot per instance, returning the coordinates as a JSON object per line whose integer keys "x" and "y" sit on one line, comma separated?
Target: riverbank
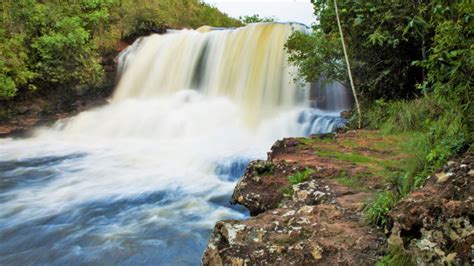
{"x": 311, "y": 199}
{"x": 20, "y": 117}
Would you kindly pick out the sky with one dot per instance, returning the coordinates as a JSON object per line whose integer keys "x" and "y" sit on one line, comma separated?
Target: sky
{"x": 283, "y": 10}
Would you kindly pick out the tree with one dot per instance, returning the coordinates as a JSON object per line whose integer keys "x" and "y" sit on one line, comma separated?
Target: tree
{"x": 375, "y": 32}
{"x": 48, "y": 45}
{"x": 348, "y": 64}
{"x": 255, "y": 19}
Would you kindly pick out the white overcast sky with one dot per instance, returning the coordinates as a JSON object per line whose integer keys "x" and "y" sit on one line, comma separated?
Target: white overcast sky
{"x": 283, "y": 10}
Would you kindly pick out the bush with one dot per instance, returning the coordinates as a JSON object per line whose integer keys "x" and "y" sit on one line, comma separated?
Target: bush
{"x": 316, "y": 55}
{"x": 382, "y": 40}
{"x": 14, "y": 69}
{"x": 66, "y": 54}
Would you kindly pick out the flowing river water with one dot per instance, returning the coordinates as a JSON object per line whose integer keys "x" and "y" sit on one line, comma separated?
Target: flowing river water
{"x": 143, "y": 179}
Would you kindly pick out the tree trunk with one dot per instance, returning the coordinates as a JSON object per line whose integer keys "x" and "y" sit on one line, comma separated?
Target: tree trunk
{"x": 348, "y": 65}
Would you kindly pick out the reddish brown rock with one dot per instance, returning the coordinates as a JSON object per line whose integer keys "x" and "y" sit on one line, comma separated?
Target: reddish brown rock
{"x": 321, "y": 223}
{"x": 263, "y": 185}
{"x": 317, "y": 221}
{"x": 435, "y": 223}
{"x": 307, "y": 235}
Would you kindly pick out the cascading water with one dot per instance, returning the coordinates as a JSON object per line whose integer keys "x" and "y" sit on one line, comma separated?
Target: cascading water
{"x": 143, "y": 179}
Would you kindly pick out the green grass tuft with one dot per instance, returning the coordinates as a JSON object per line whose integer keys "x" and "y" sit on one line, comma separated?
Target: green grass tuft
{"x": 300, "y": 176}
{"x": 346, "y": 180}
{"x": 397, "y": 256}
{"x": 348, "y": 157}
{"x": 376, "y": 211}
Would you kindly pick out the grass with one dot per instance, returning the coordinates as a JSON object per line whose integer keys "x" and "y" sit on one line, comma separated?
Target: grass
{"x": 348, "y": 157}
{"x": 294, "y": 179}
{"x": 348, "y": 181}
{"x": 397, "y": 256}
{"x": 414, "y": 139}
{"x": 387, "y": 161}
{"x": 430, "y": 132}
{"x": 356, "y": 182}
{"x": 328, "y": 138}
{"x": 377, "y": 209}
{"x": 384, "y": 155}
{"x": 264, "y": 168}
{"x": 287, "y": 192}
{"x": 300, "y": 176}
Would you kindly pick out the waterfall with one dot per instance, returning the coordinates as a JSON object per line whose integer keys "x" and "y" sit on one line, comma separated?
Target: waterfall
{"x": 247, "y": 65}
{"x": 331, "y": 96}
{"x": 143, "y": 179}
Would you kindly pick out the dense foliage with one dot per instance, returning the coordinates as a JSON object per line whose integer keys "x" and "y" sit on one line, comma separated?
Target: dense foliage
{"x": 52, "y": 44}
{"x": 399, "y": 51}
{"x": 395, "y": 46}
{"x": 137, "y": 19}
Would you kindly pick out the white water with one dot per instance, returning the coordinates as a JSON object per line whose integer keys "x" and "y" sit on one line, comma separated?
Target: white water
{"x": 143, "y": 179}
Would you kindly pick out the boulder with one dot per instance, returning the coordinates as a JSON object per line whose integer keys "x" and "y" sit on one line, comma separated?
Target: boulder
{"x": 435, "y": 223}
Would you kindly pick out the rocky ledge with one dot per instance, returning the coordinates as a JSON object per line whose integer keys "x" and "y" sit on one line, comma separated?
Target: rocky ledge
{"x": 20, "y": 117}
{"x": 434, "y": 225}
{"x": 307, "y": 199}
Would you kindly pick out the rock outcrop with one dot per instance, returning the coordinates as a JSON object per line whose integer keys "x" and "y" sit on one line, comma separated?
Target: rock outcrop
{"x": 307, "y": 200}
{"x": 303, "y": 235}
{"x": 435, "y": 224}
{"x": 260, "y": 189}
{"x": 315, "y": 221}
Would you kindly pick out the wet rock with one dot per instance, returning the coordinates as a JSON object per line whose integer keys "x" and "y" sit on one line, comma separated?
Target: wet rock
{"x": 282, "y": 147}
{"x": 435, "y": 224}
{"x": 261, "y": 187}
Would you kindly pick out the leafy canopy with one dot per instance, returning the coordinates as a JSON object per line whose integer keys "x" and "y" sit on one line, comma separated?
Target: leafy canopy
{"x": 51, "y": 44}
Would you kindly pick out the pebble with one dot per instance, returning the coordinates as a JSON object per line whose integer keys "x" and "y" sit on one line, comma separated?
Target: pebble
{"x": 471, "y": 173}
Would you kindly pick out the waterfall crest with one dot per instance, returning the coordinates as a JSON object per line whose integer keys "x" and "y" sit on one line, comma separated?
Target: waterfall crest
{"x": 248, "y": 65}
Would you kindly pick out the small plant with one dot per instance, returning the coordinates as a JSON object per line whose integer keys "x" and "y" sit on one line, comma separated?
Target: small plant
{"x": 300, "y": 176}
{"x": 348, "y": 181}
{"x": 397, "y": 256}
{"x": 263, "y": 168}
{"x": 287, "y": 192}
{"x": 376, "y": 211}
